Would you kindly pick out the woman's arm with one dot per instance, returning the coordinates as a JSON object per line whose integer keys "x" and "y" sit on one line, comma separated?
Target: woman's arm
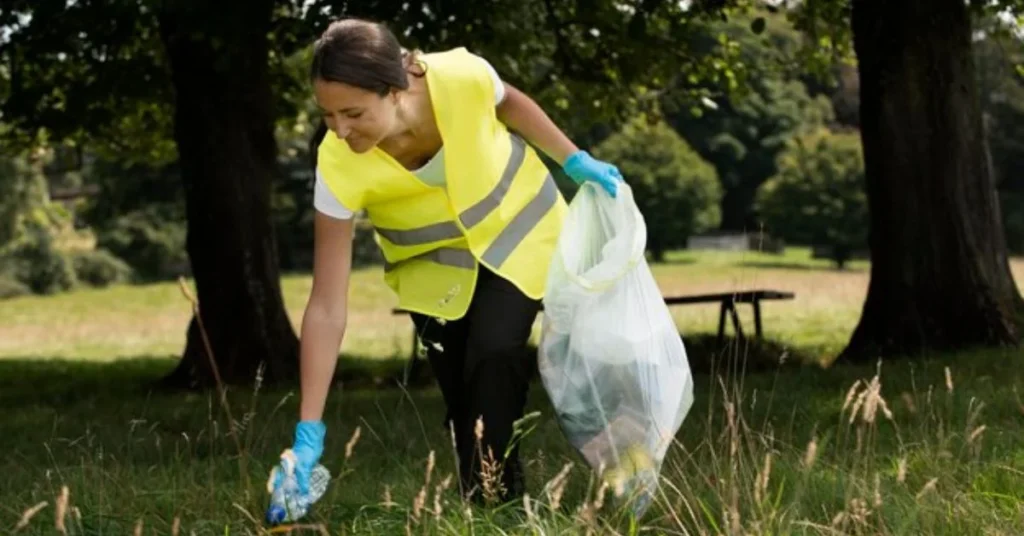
{"x": 521, "y": 113}
{"x": 324, "y": 322}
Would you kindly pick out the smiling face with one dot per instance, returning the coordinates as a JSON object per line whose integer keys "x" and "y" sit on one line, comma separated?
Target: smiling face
{"x": 359, "y": 117}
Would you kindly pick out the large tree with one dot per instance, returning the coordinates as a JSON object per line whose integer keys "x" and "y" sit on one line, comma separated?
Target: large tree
{"x": 112, "y": 72}
{"x": 940, "y": 276}
{"x": 223, "y": 125}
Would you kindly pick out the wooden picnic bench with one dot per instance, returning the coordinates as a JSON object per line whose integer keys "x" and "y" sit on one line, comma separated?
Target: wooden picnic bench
{"x": 728, "y": 301}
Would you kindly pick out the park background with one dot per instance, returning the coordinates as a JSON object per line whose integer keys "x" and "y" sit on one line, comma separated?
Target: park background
{"x": 150, "y": 141}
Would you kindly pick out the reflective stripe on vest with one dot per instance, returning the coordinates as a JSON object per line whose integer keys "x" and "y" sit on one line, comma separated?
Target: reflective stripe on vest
{"x": 476, "y": 213}
{"x": 507, "y": 240}
{"x": 434, "y": 232}
{"x": 522, "y": 223}
{"x": 456, "y": 257}
{"x": 470, "y": 217}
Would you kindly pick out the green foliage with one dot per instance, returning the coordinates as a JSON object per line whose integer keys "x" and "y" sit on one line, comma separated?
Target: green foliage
{"x": 29, "y": 224}
{"x": 587, "y": 63}
{"x": 829, "y": 38}
{"x": 150, "y": 240}
{"x": 743, "y": 133}
{"x": 676, "y": 190}
{"x": 34, "y": 260}
{"x": 997, "y": 56}
{"x": 100, "y": 268}
{"x": 24, "y": 194}
{"x": 88, "y": 70}
{"x": 125, "y": 186}
{"x": 12, "y": 288}
{"x": 818, "y": 195}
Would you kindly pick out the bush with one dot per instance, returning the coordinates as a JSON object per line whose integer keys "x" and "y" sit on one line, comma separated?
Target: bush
{"x": 676, "y": 190}
{"x": 34, "y": 261}
{"x": 151, "y": 243}
{"x": 11, "y": 288}
{"x": 100, "y": 268}
{"x": 817, "y": 197}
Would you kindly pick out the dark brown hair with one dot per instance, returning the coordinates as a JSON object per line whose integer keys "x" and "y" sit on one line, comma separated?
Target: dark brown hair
{"x": 363, "y": 54}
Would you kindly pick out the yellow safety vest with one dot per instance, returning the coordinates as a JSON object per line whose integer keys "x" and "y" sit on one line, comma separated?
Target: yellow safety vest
{"x": 500, "y": 206}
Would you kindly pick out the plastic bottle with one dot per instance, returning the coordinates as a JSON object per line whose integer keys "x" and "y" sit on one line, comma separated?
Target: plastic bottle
{"x": 287, "y": 504}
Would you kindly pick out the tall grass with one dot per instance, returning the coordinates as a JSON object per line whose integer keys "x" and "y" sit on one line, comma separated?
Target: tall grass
{"x": 894, "y": 449}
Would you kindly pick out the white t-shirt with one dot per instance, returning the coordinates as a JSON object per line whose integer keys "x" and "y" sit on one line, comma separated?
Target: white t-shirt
{"x": 431, "y": 173}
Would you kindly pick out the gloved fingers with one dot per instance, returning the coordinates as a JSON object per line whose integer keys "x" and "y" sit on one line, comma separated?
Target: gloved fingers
{"x": 608, "y": 182}
{"x": 302, "y": 476}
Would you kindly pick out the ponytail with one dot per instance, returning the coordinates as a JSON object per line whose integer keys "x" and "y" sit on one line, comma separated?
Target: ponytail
{"x": 314, "y": 144}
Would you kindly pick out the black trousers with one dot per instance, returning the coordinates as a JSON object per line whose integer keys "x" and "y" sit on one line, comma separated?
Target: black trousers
{"x": 483, "y": 371}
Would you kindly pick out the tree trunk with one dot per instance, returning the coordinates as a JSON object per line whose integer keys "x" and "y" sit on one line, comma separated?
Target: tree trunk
{"x": 218, "y": 55}
{"x": 940, "y": 277}
{"x": 738, "y": 205}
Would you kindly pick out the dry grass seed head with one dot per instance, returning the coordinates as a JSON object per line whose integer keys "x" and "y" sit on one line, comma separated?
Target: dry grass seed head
{"x": 430, "y": 467}
{"x": 811, "y": 454}
{"x": 878, "y": 491}
{"x": 351, "y": 445}
{"x": 27, "y": 515}
{"x": 556, "y": 486}
{"x": 761, "y": 487}
{"x": 62, "y": 509}
{"x": 909, "y": 401}
{"x": 929, "y": 486}
{"x": 418, "y": 503}
{"x": 849, "y": 395}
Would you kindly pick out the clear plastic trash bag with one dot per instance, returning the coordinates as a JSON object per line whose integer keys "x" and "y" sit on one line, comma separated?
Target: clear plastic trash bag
{"x": 611, "y": 358}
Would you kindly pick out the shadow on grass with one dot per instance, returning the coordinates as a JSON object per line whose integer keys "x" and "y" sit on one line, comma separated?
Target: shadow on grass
{"x": 673, "y": 261}
{"x": 795, "y": 265}
{"x": 61, "y": 381}
{"x": 56, "y": 382}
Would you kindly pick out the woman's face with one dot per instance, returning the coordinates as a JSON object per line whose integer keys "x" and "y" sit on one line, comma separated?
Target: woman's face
{"x": 359, "y": 117}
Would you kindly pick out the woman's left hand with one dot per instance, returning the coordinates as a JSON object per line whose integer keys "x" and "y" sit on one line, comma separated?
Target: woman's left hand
{"x": 580, "y": 167}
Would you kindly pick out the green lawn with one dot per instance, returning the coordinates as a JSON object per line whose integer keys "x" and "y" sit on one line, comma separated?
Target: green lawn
{"x": 74, "y": 380}
{"x": 150, "y": 320}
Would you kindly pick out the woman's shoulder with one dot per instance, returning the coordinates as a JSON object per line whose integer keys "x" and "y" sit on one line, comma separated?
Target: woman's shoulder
{"x": 459, "y": 60}
{"x": 465, "y": 67}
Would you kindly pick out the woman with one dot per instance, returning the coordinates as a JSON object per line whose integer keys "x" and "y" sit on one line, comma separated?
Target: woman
{"x": 467, "y": 217}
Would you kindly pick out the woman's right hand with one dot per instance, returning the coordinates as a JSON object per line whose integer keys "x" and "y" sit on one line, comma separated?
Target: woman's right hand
{"x": 308, "y": 447}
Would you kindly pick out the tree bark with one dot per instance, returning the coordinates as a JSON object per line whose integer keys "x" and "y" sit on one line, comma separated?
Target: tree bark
{"x": 218, "y": 55}
{"x": 738, "y": 205}
{"x": 940, "y": 276}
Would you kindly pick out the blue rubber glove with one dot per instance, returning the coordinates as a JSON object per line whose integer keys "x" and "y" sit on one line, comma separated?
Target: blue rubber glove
{"x": 298, "y": 464}
{"x": 308, "y": 447}
{"x": 581, "y": 167}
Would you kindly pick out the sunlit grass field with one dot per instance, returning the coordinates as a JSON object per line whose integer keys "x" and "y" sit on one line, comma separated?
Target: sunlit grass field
{"x": 130, "y": 321}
